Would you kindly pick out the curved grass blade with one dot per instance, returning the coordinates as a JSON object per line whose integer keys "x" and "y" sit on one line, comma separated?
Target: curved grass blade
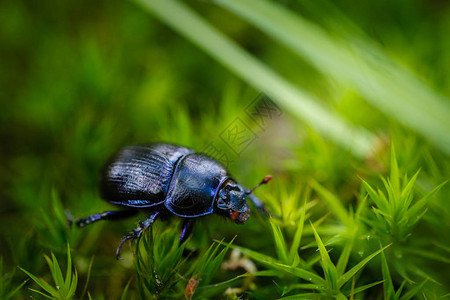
{"x": 291, "y": 98}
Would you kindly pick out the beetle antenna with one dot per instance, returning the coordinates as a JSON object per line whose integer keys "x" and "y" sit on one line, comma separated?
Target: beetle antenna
{"x": 264, "y": 181}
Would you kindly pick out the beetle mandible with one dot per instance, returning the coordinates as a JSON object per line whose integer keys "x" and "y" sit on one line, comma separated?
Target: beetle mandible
{"x": 165, "y": 179}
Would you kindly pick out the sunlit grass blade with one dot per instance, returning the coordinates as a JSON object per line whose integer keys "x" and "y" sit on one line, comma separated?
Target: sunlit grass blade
{"x": 291, "y": 98}
{"x": 345, "y": 254}
{"x": 345, "y": 277}
{"x": 293, "y": 252}
{"x": 387, "y": 279}
{"x": 385, "y": 83}
{"x": 280, "y": 243}
{"x": 379, "y": 201}
{"x": 394, "y": 176}
{"x": 329, "y": 268}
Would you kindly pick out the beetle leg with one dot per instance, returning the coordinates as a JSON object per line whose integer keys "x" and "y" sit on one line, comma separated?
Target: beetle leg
{"x": 186, "y": 229}
{"x": 107, "y": 215}
{"x": 137, "y": 232}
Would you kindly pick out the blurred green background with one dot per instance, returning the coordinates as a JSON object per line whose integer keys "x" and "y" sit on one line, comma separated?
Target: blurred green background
{"x": 80, "y": 79}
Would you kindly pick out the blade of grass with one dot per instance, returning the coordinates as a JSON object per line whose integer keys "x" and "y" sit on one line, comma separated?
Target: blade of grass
{"x": 345, "y": 254}
{"x": 388, "y": 285}
{"x": 291, "y": 98}
{"x": 414, "y": 291}
{"x": 88, "y": 277}
{"x": 293, "y": 253}
{"x": 361, "y": 63}
{"x": 420, "y": 204}
{"x": 329, "y": 268}
{"x": 280, "y": 243}
{"x": 344, "y": 278}
{"x": 364, "y": 287}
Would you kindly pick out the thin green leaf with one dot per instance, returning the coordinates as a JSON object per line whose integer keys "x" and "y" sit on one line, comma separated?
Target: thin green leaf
{"x": 329, "y": 268}
{"x": 14, "y": 291}
{"x": 387, "y": 280}
{"x": 43, "y": 294}
{"x": 48, "y": 288}
{"x": 125, "y": 290}
{"x": 68, "y": 280}
{"x": 280, "y": 243}
{"x": 88, "y": 277}
{"x": 344, "y": 278}
{"x": 363, "y": 288}
{"x": 373, "y": 195}
{"x": 408, "y": 188}
{"x": 420, "y": 204}
{"x": 57, "y": 273}
{"x": 73, "y": 285}
{"x": 394, "y": 176}
{"x": 293, "y": 253}
{"x": 414, "y": 291}
{"x": 345, "y": 254}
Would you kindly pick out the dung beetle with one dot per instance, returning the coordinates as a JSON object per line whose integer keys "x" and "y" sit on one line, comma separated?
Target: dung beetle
{"x": 165, "y": 179}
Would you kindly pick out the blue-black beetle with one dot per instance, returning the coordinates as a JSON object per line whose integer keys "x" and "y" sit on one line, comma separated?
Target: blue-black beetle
{"x": 164, "y": 180}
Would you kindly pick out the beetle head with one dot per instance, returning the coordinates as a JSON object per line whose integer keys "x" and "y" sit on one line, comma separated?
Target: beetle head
{"x": 231, "y": 202}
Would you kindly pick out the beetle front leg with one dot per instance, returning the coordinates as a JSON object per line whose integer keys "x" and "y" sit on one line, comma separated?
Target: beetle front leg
{"x": 136, "y": 233}
{"x": 186, "y": 229}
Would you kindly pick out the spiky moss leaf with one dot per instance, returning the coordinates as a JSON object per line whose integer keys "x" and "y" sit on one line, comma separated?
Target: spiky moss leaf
{"x": 293, "y": 252}
{"x": 328, "y": 267}
{"x": 345, "y": 277}
{"x": 345, "y": 254}
{"x": 387, "y": 284}
{"x": 125, "y": 290}
{"x": 414, "y": 291}
{"x": 363, "y": 288}
{"x": 421, "y": 203}
{"x": 65, "y": 288}
{"x": 280, "y": 243}
{"x": 380, "y": 201}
